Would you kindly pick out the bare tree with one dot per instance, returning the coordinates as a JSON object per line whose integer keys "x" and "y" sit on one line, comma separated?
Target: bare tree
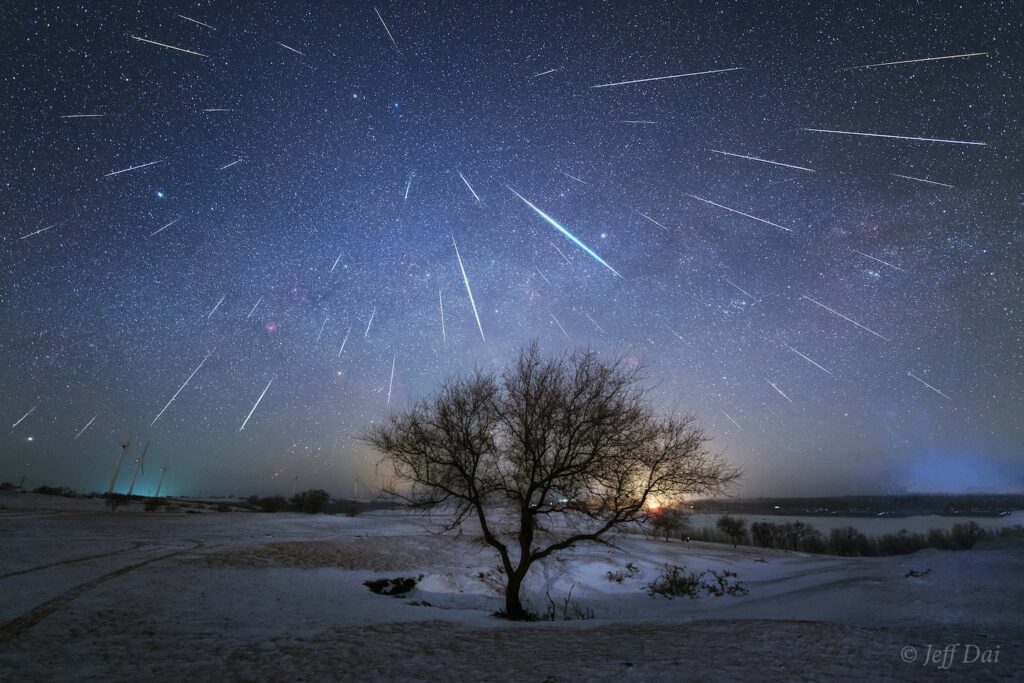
{"x": 551, "y": 453}
{"x": 733, "y": 527}
{"x": 669, "y": 522}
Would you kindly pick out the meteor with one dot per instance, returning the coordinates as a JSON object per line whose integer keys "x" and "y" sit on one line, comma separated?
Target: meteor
{"x": 807, "y": 359}
{"x": 335, "y": 263}
{"x": 320, "y": 333}
{"x": 665, "y": 78}
{"x": 543, "y": 276}
{"x": 229, "y": 165}
{"x": 85, "y": 427}
{"x": 572, "y": 177}
{"x": 344, "y": 341}
{"x": 468, "y": 290}
{"x": 730, "y": 418}
{"x": 884, "y": 263}
{"x": 165, "y": 227}
{"x": 131, "y": 168}
{"x": 599, "y": 328}
{"x": 561, "y": 253}
{"x": 763, "y": 161}
{"x": 708, "y": 201}
{"x": 440, "y": 302}
{"x": 23, "y": 417}
{"x": 783, "y": 395}
{"x": 169, "y": 47}
{"x": 652, "y": 220}
{"x": 216, "y": 109}
{"x": 386, "y": 28}
{"x": 895, "y": 137}
{"x": 544, "y": 73}
{"x": 196, "y": 21}
{"x": 254, "y": 308}
{"x": 407, "y": 186}
{"x": 560, "y": 327}
{"x": 255, "y": 405}
{"x": 475, "y": 196}
{"x": 929, "y": 386}
{"x": 82, "y": 116}
{"x": 370, "y": 322}
{"x": 921, "y": 180}
{"x": 575, "y": 240}
{"x": 214, "y": 310}
{"x": 915, "y": 61}
{"x": 392, "y": 380}
{"x": 638, "y": 121}
{"x": 180, "y": 389}
{"x": 745, "y": 292}
{"x": 835, "y": 312}
{"x": 292, "y": 49}
{"x": 675, "y": 334}
{"x": 41, "y": 230}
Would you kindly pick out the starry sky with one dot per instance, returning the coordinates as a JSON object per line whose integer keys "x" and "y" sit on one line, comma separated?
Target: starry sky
{"x": 205, "y": 205}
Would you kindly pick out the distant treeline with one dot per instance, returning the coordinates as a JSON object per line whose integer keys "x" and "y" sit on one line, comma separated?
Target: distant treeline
{"x": 847, "y": 541}
{"x": 873, "y": 506}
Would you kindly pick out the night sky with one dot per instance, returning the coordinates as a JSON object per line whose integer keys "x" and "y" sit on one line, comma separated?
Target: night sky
{"x": 307, "y": 170}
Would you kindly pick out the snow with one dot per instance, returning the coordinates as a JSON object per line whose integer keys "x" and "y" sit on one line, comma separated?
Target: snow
{"x": 272, "y": 596}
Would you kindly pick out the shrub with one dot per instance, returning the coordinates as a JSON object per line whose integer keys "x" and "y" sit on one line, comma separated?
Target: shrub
{"x": 400, "y": 585}
{"x": 311, "y": 502}
{"x": 269, "y": 503}
{"x": 620, "y": 575}
{"x": 965, "y": 534}
{"x": 677, "y": 582}
{"x": 153, "y": 503}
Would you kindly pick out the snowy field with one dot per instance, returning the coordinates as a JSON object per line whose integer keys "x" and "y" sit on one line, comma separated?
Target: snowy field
{"x": 86, "y": 594}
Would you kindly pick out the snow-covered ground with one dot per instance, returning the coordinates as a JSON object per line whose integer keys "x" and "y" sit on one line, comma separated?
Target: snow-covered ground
{"x": 86, "y": 594}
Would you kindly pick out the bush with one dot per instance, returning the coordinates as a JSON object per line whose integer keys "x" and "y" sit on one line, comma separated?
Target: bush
{"x": 733, "y": 527}
{"x": 153, "y": 503}
{"x": 56, "y": 491}
{"x": 677, "y": 582}
{"x": 268, "y": 503}
{"x": 620, "y": 575}
{"x": 399, "y": 585}
{"x": 311, "y": 502}
{"x": 965, "y": 534}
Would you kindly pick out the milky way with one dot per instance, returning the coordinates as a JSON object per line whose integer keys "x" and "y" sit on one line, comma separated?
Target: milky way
{"x": 229, "y": 191}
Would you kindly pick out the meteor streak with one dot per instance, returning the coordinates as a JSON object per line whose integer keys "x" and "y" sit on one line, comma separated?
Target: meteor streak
{"x": 572, "y": 177}
{"x": 370, "y": 322}
{"x": 708, "y": 201}
{"x": 807, "y": 359}
{"x": 600, "y": 329}
{"x": 85, "y": 427}
{"x": 884, "y": 263}
{"x": 382, "y": 22}
{"x": 335, "y": 263}
{"x": 344, "y": 341}
{"x": 835, "y": 312}
{"x": 475, "y": 196}
{"x": 921, "y": 180}
{"x": 217, "y": 109}
{"x": 763, "y": 161}
{"x": 543, "y": 276}
{"x": 157, "y": 232}
{"x": 292, "y": 49}
{"x": 730, "y": 418}
{"x": 560, "y": 327}
{"x": 255, "y": 405}
{"x": 180, "y": 389}
{"x": 229, "y": 165}
{"x": 322, "y": 326}
{"x": 82, "y": 116}
{"x": 675, "y": 334}
{"x": 131, "y": 168}
{"x": 895, "y": 137}
{"x": 196, "y": 21}
{"x": 23, "y": 417}
{"x": 561, "y": 253}
{"x": 169, "y": 47}
{"x": 915, "y": 61}
{"x": 254, "y": 308}
{"x": 665, "y": 78}
{"x": 929, "y": 386}
{"x": 41, "y": 230}
{"x": 214, "y": 310}
{"x": 407, "y": 186}
{"x": 745, "y": 292}
{"x": 778, "y": 390}
{"x": 392, "y": 380}
{"x": 652, "y": 220}
{"x": 440, "y": 303}
{"x": 544, "y": 73}
{"x": 468, "y": 290}
{"x": 575, "y": 240}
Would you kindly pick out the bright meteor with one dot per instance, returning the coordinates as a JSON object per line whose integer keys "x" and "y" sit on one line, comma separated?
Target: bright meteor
{"x": 722, "y": 206}
{"x": 895, "y": 137}
{"x": 180, "y": 389}
{"x": 665, "y": 78}
{"x": 256, "y": 405}
{"x": 916, "y": 61}
{"x": 469, "y": 290}
{"x": 572, "y": 238}
{"x": 851, "y": 320}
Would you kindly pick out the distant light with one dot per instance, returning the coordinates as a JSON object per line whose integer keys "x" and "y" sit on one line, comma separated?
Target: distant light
{"x": 159, "y": 194}
{"x": 31, "y": 438}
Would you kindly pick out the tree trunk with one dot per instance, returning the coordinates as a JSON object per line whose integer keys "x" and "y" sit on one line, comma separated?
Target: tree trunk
{"x": 513, "y": 605}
